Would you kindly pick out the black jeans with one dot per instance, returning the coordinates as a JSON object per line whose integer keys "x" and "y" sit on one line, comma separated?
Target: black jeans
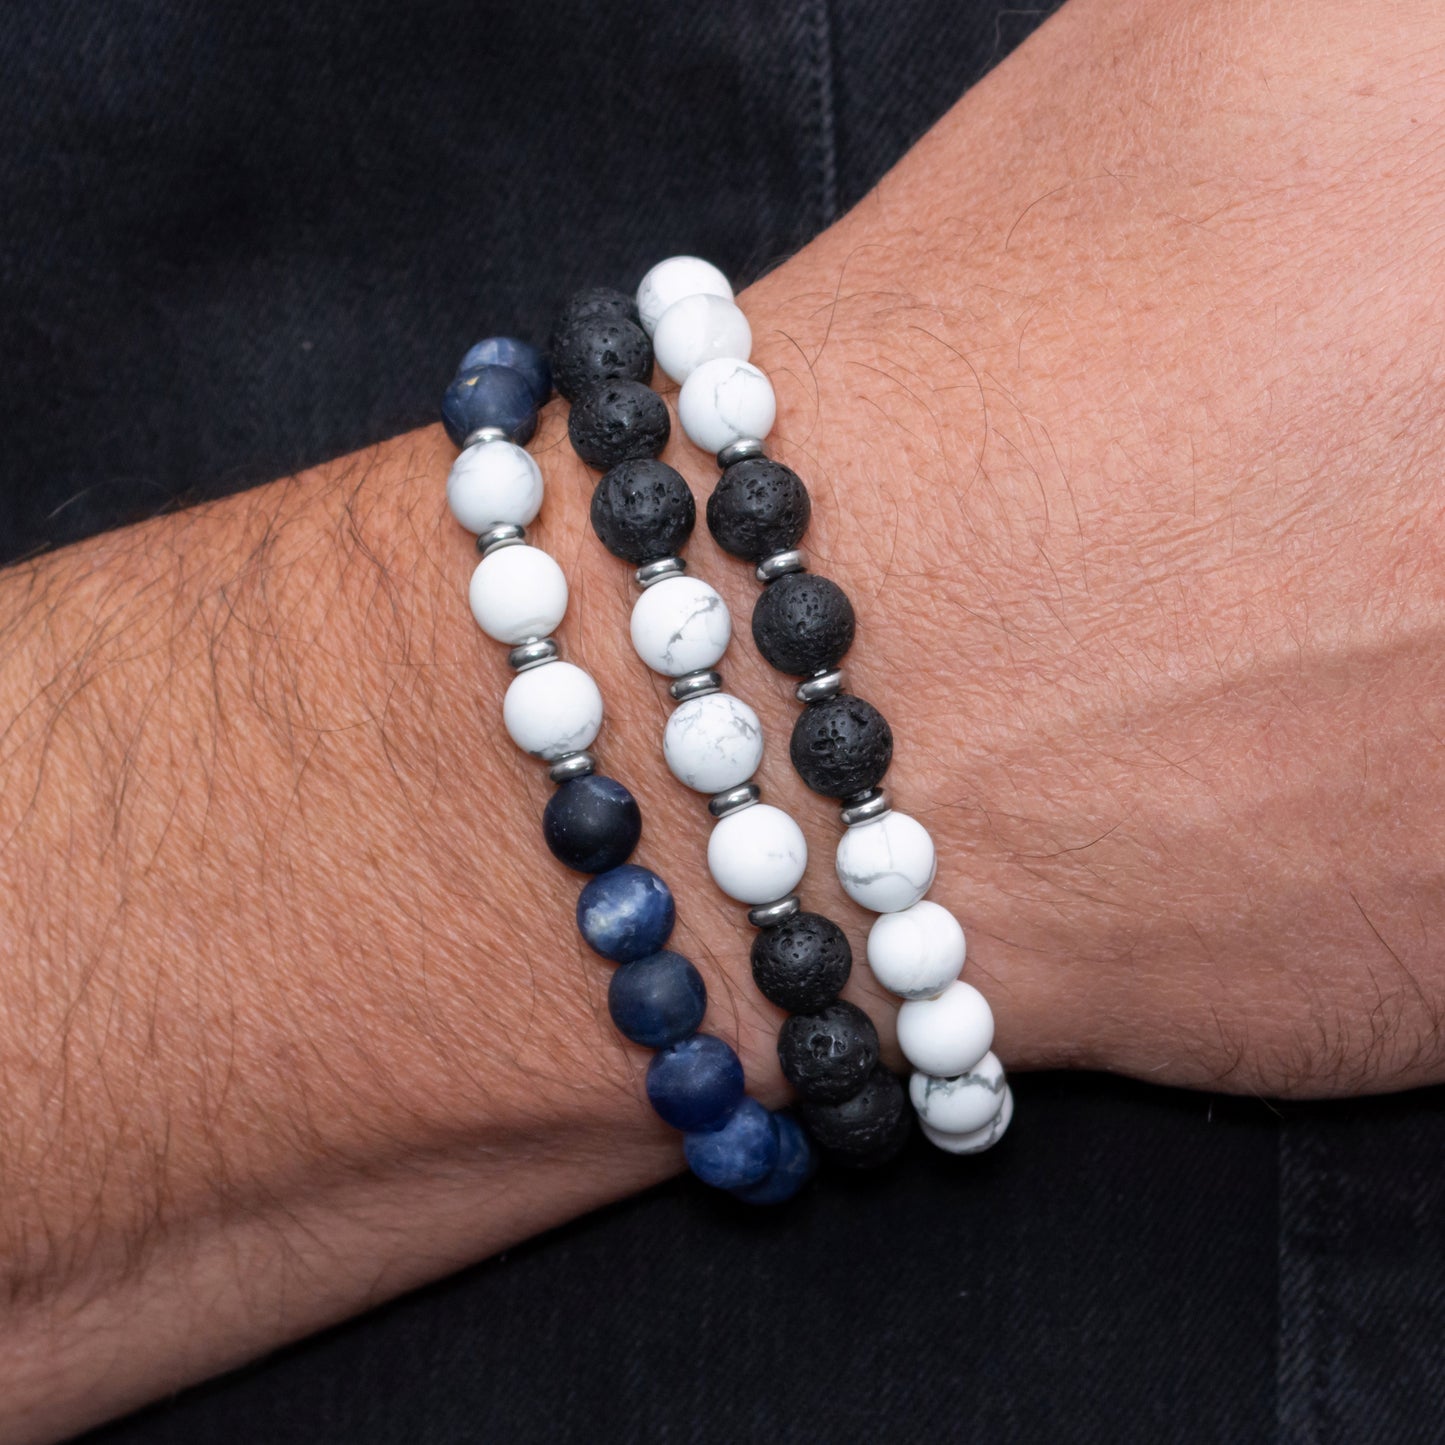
{"x": 237, "y": 240}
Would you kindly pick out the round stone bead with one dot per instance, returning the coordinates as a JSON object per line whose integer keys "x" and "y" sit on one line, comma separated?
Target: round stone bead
{"x": 977, "y": 1140}
{"x": 886, "y": 864}
{"x": 724, "y": 401}
{"x": 963, "y": 1103}
{"x": 670, "y": 280}
{"x": 700, "y": 328}
{"x": 617, "y": 421}
{"x": 757, "y": 855}
{"x": 841, "y": 746}
{"x": 828, "y": 1055}
{"x": 917, "y": 952}
{"x": 592, "y": 304}
{"x": 803, "y": 623}
{"x": 696, "y": 1084}
{"x": 588, "y": 352}
{"x": 625, "y": 913}
{"x": 680, "y": 625}
{"x": 494, "y": 482}
{"x": 518, "y": 594}
{"x": 866, "y": 1130}
{"x": 658, "y": 1000}
{"x": 743, "y": 1151}
{"x": 592, "y": 823}
{"x": 489, "y": 396}
{"x": 757, "y": 508}
{"x": 947, "y": 1035}
{"x": 797, "y": 1161}
{"x": 713, "y": 743}
{"x": 802, "y": 963}
{"x": 525, "y": 360}
{"x": 643, "y": 510}
{"x": 552, "y": 710}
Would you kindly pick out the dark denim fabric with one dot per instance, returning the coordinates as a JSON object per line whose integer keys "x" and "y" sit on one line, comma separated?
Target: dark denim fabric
{"x": 240, "y": 238}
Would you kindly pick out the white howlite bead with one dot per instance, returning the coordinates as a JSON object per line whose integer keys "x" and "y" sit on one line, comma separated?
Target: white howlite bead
{"x": 494, "y": 482}
{"x": 669, "y": 281}
{"x": 552, "y": 710}
{"x": 713, "y": 743}
{"x": 918, "y": 952}
{"x": 886, "y": 865}
{"x": 724, "y": 401}
{"x": 518, "y": 593}
{"x": 680, "y": 625}
{"x": 963, "y": 1103}
{"x": 948, "y": 1035}
{"x": 698, "y": 329}
{"x": 757, "y": 855}
{"x": 977, "y": 1140}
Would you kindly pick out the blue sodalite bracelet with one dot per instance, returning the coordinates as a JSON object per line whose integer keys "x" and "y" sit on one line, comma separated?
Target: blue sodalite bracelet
{"x": 553, "y": 710}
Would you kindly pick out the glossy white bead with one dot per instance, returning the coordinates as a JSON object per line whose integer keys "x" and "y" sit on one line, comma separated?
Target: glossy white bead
{"x": 518, "y": 593}
{"x": 494, "y": 482}
{"x": 757, "y": 855}
{"x": 918, "y": 952}
{"x": 680, "y": 625}
{"x": 552, "y": 710}
{"x": 886, "y": 865}
{"x": 713, "y": 743}
{"x": 669, "y": 281}
{"x": 698, "y": 329}
{"x": 947, "y": 1035}
{"x": 976, "y": 1141}
{"x": 723, "y": 402}
{"x": 963, "y": 1103}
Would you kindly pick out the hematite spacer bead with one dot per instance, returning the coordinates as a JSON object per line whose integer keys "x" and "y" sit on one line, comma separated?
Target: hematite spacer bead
{"x": 695, "y": 684}
{"x": 826, "y": 683}
{"x": 733, "y": 800}
{"x": 740, "y": 451}
{"x": 780, "y": 564}
{"x": 574, "y": 765}
{"x": 865, "y": 807}
{"x": 484, "y": 434}
{"x": 658, "y": 571}
{"x": 769, "y": 915}
{"x": 504, "y": 534}
{"x": 532, "y": 654}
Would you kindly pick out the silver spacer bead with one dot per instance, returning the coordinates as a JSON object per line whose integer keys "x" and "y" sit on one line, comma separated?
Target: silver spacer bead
{"x": 734, "y": 800}
{"x": 695, "y": 684}
{"x": 574, "y": 765}
{"x": 659, "y": 571}
{"x": 821, "y": 686}
{"x": 767, "y": 915}
{"x": 780, "y": 564}
{"x": 740, "y": 451}
{"x": 484, "y": 434}
{"x": 504, "y": 534}
{"x": 865, "y": 807}
{"x": 532, "y": 654}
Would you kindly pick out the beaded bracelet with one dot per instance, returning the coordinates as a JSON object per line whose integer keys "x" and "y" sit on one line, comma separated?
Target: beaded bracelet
{"x": 553, "y": 710}
{"x": 643, "y": 512}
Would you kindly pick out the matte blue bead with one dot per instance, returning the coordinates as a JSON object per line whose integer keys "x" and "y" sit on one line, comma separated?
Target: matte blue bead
{"x": 744, "y": 1151}
{"x": 797, "y": 1163}
{"x": 626, "y": 913}
{"x": 696, "y": 1084}
{"x": 657, "y": 1001}
{"x": 526, "y": 360}
{"x": 592, "y": 823}
{"x": 489, "y": 396}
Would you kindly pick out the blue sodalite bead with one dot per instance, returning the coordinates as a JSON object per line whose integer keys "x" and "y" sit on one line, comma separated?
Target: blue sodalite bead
{"x": 592, "y": 824}
{"x": 489, "y": 396}
{"x": 657, "y": 1001}
{"x": 626, "y": 913}
{"x": 743, "y": 1151}
{"x": 797, "y": 1163}
{"x": 526, "y": 360}
{"x": 696, "y": 1084}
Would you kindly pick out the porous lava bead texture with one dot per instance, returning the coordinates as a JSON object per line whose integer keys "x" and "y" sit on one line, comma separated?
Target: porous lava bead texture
{"x": 757, "y": 508}
{"x": 589, "y": 351}
{"x": 828, "y": 1055}
{"x": 643, "y": 510}
{"x": 803, "y": 623}
{"x": 866, "y": 1130}
{"x": 802, "y": 963}
{"x": 617, "y": 421}
{"x": 841, "y": 746}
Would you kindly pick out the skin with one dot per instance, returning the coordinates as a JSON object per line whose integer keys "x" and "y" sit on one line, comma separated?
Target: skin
{"x": 1118, "y": 402}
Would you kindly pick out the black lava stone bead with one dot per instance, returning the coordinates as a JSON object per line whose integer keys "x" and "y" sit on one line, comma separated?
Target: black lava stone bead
{"x": 643, "y": 510}
{"x": 757, "y": 508}
{"x": 597, "y": 302}
{"x": 802, "y": 623}
{"x": 592, "y": 824}
{"x": 802, "y": 963}
{"x": 597, "y": 349}
{"x": 841, "y": 746}
{"x": 616, "y": 422}
{"x": 867, "y": 1130}
{"x": 827, "y": 1056}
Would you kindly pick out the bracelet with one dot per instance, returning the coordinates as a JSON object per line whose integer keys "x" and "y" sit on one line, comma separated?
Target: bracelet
{"x": 553, "y": 710}
{"x": 643, "y": 512}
